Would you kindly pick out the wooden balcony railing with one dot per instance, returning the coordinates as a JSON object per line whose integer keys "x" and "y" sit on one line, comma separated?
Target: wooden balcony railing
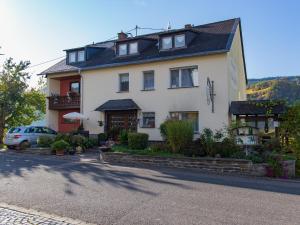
{"x": 64, "y": 102}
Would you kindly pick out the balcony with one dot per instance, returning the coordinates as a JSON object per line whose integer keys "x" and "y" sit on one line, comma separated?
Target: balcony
{"x": 64, "y": 102}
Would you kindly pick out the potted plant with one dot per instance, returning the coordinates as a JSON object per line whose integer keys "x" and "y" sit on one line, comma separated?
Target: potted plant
{"x": 77, "y": 142}
{"x": 60, "y": 147}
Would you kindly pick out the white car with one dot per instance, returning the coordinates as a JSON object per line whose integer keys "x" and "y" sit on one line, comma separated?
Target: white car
{"x": 21, "y": 137}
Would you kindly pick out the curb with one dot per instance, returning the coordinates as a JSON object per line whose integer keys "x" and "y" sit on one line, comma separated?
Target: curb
{"x": 43, "y": 214}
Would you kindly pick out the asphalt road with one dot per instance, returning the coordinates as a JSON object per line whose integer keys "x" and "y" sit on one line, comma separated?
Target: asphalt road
{"x": 106, "y": 194}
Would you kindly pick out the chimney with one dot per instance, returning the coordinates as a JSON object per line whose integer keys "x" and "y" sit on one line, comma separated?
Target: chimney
{"x": 187, "y": 26}
{"x": 122, "y": 36}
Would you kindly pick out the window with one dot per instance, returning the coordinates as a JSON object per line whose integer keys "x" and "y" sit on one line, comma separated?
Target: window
{"x": 148, "y": 80}
{"x": 123, "y": 49}
{"x": 166, "y": 42}
{"x": 148, "y": 120}
{"x": 124, "y": 82}
{"x": 75, "y": 87}
{"x": 179, "y": 41}
{"x": 174, "y": 78}
{"x": 190, "y": 116}
{"x": 184, "y": 77}
{"x": 72, "y": 57}
{"x": 80, "y": 56}
{"x": 133, "y": 48}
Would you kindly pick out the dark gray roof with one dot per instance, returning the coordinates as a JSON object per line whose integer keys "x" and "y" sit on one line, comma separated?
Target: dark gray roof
{"x": 117, "y": 105}
{"x": 257, "y": 107}
{"x": 210, "y": 38}
{"x": 60, "y": 67}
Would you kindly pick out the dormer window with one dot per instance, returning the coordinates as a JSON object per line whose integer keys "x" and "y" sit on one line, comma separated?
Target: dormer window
{"x": 80, "y": 56}
{"x": 167, "y": 43}
{"x": 122, "y": 49}
{"x": 133, "y": 48}
{"x": 72, "y": 57}
{"x": 179, "y": 41}
{"x": 173, "y": 41}
{"x": 130, "y": 48}
{"x": 76, "y": 56}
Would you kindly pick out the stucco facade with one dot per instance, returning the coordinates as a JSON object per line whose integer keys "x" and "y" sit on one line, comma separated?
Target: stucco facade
{"x": 100, "y": 85}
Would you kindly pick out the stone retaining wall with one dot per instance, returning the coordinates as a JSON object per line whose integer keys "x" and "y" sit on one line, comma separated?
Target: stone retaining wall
{"x": 217, "y": 165}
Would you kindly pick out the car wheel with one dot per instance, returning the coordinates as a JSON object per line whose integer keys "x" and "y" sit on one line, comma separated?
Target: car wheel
{"x": 23, "y": 145}
{"x": 10, "y": 147}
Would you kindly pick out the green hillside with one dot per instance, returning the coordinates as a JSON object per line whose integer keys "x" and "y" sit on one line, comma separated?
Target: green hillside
{"x": 283, "y": 88}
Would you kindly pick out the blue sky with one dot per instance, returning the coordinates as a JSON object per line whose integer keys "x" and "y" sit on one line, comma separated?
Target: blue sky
{"x": 38, "y": 30}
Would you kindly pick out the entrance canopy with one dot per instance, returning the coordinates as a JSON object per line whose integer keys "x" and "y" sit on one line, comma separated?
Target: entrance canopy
{"x": 118, "y": 105}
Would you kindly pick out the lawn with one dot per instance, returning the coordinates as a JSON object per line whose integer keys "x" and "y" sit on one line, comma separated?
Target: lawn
{"x": 147, "y": 151}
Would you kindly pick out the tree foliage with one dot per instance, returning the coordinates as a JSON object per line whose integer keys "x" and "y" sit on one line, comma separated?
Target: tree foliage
{"x": 19, "y": 105}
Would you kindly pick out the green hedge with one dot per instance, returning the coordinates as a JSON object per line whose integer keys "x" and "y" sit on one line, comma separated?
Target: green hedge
{"x": 179, "y": 134}
{"x": 44, "y": 141}
{"x": 138, "y": 140}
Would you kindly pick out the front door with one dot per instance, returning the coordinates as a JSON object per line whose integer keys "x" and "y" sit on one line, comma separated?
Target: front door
{"x": 120, "y": 120}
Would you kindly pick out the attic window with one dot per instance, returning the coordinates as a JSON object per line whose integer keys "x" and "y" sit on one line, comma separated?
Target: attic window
{"x": 76, "y": 56}
{"x": 179, "y": 41}
{"x": 72, "y": 57}
{"x": 123, "y": 49}
{"x": 80, "y": 56}
{"x": 166, "y": 42}
{"x": 133, "y": 48}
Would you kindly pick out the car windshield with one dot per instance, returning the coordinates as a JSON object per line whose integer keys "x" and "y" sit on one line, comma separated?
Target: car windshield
{"x": 14, "y": 130}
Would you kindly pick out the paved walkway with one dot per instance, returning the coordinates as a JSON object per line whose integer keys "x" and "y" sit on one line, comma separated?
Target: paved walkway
{"x": 13, "y": 215}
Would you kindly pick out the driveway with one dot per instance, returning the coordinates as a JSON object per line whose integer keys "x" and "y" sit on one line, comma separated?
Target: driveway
{"x": 107, "y": 194}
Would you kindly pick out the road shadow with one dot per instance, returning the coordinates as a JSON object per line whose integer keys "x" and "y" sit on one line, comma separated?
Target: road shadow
{"x": 196, "y": 175}
{"x": 16, "y": 164}
{"x": 118, "y": 175}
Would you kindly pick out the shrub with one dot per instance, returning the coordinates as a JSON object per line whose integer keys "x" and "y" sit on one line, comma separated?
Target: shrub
{"x": 195, "y": 149}
{"x": 78, "y": 140}
{"x": 60, "y": 145}
{"x": 160, "y": 147}
{"x": 123, "y": 137}
{"x": 65, "y": 137}
{"x": 44, "y": 141}
{"x": 275, "y": 164}
{"x": 90, "y": 143}
{"x": 255, "y": 158}
{"x": 227, "y": 147}
{"x": 137, "y": 140}
{"x": 179, "y": 134}
{"x": 239, "y": 155}
{"x": 208, "y": 142}
{"x": 163, "y": 129}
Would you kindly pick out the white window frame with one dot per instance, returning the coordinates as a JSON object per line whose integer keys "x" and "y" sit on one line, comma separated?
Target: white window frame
{"x": 179, "y": 35}
{"x": 144, "y": 73}
{"x": 120, "y": 81}
{"x": 195, "y": 77}
{"x": 130, "y": 49}
{"x": 162, "y": 42}
{"x": 83, "y": 55}
{"x": 126, "y": 49}
{"x": 70, "y": 57}
{"x": 142, "y": 122}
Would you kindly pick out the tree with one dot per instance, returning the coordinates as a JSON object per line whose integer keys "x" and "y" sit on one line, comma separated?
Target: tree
{"x": 19, "y": 105}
